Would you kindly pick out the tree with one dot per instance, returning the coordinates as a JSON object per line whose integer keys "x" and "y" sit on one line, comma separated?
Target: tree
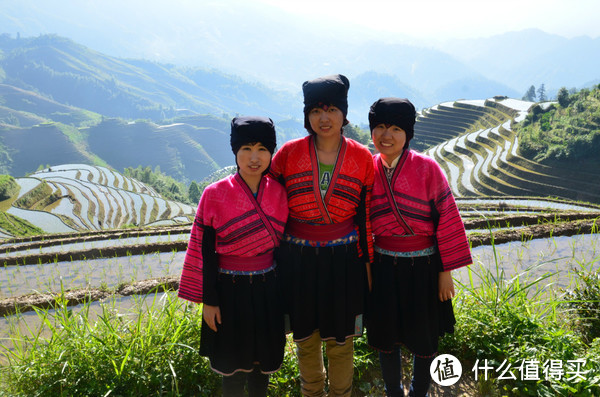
{"x": 146, "y": 175}
{"x": 194, "y": 192}
{"x": 563, "y": 97}
{"x": 354, "y": 132}
{"x": 542, "y": 93}
{"x": 530, "y": 94}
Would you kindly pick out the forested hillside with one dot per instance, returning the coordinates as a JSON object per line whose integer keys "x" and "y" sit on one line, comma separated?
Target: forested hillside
{"x": 567, "y": 131}
{"x": 35, "y": 130}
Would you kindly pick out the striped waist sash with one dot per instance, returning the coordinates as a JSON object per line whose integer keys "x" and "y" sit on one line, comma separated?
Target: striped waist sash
{"x": 404, "y": 243}
{"x": 251, "y": 264}
{"x": 327, "y": 232}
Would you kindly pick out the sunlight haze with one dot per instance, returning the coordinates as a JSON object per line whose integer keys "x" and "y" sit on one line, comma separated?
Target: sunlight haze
{"x": 435, "y": 19}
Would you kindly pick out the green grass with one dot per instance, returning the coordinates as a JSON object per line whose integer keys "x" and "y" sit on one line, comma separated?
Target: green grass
{"x": 18, "y": 227}
{"x": 150, "y": 352}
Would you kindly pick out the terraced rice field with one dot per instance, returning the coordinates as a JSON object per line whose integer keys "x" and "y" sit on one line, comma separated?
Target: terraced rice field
{"x": 95, "y": 198}
{"x": 474, "y": 143}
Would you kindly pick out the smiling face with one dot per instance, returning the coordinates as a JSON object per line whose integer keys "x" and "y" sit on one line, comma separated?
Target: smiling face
{"x": 326, "y": 121}
{"x": 253, "y": 159}
{"x": 389, "y": 140}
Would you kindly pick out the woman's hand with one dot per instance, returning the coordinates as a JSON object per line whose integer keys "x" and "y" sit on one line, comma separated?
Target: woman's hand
{"x": 369, "y": 276}
{"x": 212, "y": 316}
{"x": 446, "y": 286}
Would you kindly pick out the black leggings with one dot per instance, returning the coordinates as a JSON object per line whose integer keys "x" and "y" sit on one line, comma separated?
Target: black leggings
{"x": 233, "y": 385}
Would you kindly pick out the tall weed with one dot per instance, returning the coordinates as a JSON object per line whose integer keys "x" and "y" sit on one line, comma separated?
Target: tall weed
{"x": 517, "y": 324}
{"x": 151, "y": 352}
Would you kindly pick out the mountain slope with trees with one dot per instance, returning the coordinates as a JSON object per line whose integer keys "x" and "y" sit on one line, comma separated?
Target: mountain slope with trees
{"x": 567, "y": 131}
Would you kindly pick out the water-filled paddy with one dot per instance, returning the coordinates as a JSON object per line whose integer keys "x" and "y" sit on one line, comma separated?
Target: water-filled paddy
{"x": 108, "y": 272}
{"x": 22, "y": 249}
{"x": 557, "y": 255}
{"x": 526, "y": 203}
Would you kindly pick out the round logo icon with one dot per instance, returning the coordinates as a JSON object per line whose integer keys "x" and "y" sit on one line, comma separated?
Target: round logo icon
{"x": 445, "y": 370}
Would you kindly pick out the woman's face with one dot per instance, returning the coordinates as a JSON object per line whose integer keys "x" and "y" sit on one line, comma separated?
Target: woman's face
{"x": 253, "y": 159}
{"x": 389, "y": 141}
{"x": 326, "y": 121}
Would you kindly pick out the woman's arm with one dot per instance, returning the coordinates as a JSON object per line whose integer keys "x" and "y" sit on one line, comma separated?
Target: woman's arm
{"x": 211, "y": 316}
{"x": 446, "y": 286}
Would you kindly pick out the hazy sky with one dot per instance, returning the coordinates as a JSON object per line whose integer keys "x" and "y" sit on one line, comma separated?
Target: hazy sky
{"x": 422, "y": 19}
{"x": 457, "y": 18}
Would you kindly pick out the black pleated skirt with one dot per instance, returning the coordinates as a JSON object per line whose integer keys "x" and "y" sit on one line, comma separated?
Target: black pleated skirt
{"x": 252, "y": 325}
{"x": 404, "y": 307}
{"x": 324, "y": 289}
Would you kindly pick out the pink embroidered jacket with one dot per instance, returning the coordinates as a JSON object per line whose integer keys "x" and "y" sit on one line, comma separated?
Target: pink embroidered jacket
{"x": 418, "y": 202}
{"x": 230, "y": 221}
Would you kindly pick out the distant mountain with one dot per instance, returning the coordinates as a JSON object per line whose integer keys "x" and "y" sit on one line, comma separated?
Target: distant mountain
{"x": 36, "y": 131}
{"x": 531, "y": 57}
{"x": 366, "y": 88}
{"x": 186, "y": 151}
{"x": 70, "y": 73}
{"x": 262, "y": 43}
{"x": 23, "y": 150}
{"x": 23, "y": 108}
{"x": 189, "y": 149}
{"x": 474, "y": 87}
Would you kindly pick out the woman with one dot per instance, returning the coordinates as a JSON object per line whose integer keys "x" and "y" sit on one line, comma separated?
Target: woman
{"x": 229, "y": 264}
{"x": 419, "y": 240}
{"x": 327, "y": 242}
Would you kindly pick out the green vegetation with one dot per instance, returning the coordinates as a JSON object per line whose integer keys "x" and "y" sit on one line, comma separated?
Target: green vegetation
{"x": 151, "y": 353}
{"x": 8, "y": 187}
{"x": 356, "y": 133}
{"x": 584, "y": 299}
{"x": 517, "y": 323}
{"x": 194, "y": 192}
{"x": 164, "y": 185}
{"x": 38, "y": 198}
{"x": 567, "y": 131}
{"x": 18, "y": 227}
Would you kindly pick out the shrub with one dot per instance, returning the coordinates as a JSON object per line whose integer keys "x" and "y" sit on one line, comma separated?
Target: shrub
{"x": 8, "y": 187}
{"x": 563, "y": 97}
